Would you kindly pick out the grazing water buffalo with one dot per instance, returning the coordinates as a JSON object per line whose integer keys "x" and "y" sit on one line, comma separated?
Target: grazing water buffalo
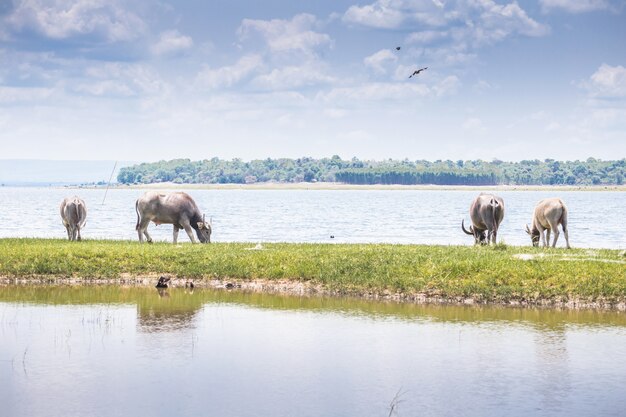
{"x": 74, "y": 215}
{"x": 177, "y": 209}
{"x": 486, "y": 212}
{"x": 549, "y": 213}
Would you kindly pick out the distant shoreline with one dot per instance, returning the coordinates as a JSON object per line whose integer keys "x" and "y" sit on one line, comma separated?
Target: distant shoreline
{"x": 341, "y": 186}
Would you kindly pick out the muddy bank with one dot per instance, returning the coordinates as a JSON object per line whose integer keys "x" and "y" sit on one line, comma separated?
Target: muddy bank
{"x": 309, "y": 289}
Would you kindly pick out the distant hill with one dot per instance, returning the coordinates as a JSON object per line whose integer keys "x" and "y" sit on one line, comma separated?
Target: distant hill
{"x": 48, "y": 172}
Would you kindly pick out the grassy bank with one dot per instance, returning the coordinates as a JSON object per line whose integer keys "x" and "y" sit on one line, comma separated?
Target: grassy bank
{"x": 484, "y": 274}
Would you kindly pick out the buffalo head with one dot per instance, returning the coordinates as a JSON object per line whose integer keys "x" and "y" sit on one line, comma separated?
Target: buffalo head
{"x": 534, "y": 235}
{"x": 480, "y": 236}
{"x": 204, "y": 231}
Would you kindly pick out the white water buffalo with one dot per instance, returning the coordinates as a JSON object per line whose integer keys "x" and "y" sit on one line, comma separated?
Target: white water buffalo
{"x": 486, "y": 212}
{"x": 177, "y": 209}
{"x": 549, "y": 213}
{"x": 74, "y": 216}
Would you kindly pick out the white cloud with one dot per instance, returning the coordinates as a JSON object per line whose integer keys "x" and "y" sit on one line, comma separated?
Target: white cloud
{"x": 575, "y": 6}
{"x": 380, "y": 59}
{"x": 606, "y": 119}
{"x": 229, "y": 75}
{"x": 335, "y": 113}
{"x": 608, "y": 82}
{"x": 106, "y": 88}
{"x": 358, "y": 135}
{"x": 380, "y": 14}
{"x": 391, "y": 14}
{"x": 120, "y": 79}
{"x": 62, "y": 19}
{"x": 553, "y": 127}
{"x": 15, "y": 95}
{"x": 426, "y": 36}
{"x": 375, "y": 92}
{"x": 453, "y": 55}
{"x": 447, "y": 86}
{"x": 482, "y": 86}
{"x": 499, "y": 21}
{"x": 473, "y": 124}
{"x": 478, "y": 21}
{"x": 292, "y": 77}
{"x": 538, "y": 115}
{"x": 381, "y": 91}
{"x": 171, "y": 42}
{"x": 281, "y": 35}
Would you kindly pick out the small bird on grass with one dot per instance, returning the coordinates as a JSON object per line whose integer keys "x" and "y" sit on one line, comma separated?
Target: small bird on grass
{"x": 416, "y": 72}
{"x": 163, "y": 282}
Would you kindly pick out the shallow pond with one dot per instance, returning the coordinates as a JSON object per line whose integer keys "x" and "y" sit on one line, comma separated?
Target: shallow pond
{"x": 111, "y": 351}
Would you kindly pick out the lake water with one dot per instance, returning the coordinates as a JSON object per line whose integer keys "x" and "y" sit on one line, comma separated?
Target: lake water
{"x": 111, "y": 351}
{"x": 596, "y": 219}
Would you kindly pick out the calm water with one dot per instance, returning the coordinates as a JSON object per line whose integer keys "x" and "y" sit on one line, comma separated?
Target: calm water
{"x": 110, "y": 351}
{"x": 596, "y": 219}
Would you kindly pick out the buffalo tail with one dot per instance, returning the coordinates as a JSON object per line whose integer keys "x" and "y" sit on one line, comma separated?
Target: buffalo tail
{"x": 137, "y": 211}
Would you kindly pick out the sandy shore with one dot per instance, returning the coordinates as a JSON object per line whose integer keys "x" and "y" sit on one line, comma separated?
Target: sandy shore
{"x": 308, "y": 289}
{"x": 341, "y": 186}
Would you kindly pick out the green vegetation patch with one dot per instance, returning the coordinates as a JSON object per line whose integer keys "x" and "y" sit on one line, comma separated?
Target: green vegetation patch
{"x": 355, "y": 171}
{"x": 489, "y": 274}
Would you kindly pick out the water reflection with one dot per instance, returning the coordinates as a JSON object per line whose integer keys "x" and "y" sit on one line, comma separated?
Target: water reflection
{"x": 553, "y": 367}
{"x": 171, "y": 312}
{"x": 113, "y": 351}
{"x": 173, "y": 301}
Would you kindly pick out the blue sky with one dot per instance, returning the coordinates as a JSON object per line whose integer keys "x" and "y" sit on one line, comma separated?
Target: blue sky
{"x": 145, "y": 80}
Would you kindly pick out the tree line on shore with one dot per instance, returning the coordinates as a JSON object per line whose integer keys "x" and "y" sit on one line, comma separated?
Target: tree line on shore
{"x": 355, "y": 171}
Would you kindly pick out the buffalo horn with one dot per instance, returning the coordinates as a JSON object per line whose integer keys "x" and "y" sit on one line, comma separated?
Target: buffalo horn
{"x": 528, "y": 230}
{"x": 463, "y": 227}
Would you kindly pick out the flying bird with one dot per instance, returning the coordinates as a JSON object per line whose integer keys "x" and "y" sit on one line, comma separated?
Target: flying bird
{"x": 416, "y": 72}
{"x": 397, "y": 48}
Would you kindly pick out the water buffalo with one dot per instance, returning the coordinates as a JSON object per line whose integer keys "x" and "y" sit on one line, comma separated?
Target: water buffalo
{"x": 486, "y": 212}
{"x": 177, "y": 209}
{"x": 74, "y": 216}
{"x": 549, "y": 213}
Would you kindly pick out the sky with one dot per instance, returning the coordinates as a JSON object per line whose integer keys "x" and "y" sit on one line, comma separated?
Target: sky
{"x": 146, "y": 80}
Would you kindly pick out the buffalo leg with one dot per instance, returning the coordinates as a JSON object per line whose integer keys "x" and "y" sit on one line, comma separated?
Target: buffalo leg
{"x": 190, "y": 234}
{"x": 176, "y": 229}
{"x": 148, "y": 237}
{"x": 566, "y": 238}
{"x": 78, "y": 233}
{"x": 189, "y": 230}
{"x": 556, "y": 237}
{"x": 491, "y": 236}
{"x": 142, "y": 231}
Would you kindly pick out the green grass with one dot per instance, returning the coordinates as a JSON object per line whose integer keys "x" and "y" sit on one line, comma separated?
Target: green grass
{"x": 482, "y": 273}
